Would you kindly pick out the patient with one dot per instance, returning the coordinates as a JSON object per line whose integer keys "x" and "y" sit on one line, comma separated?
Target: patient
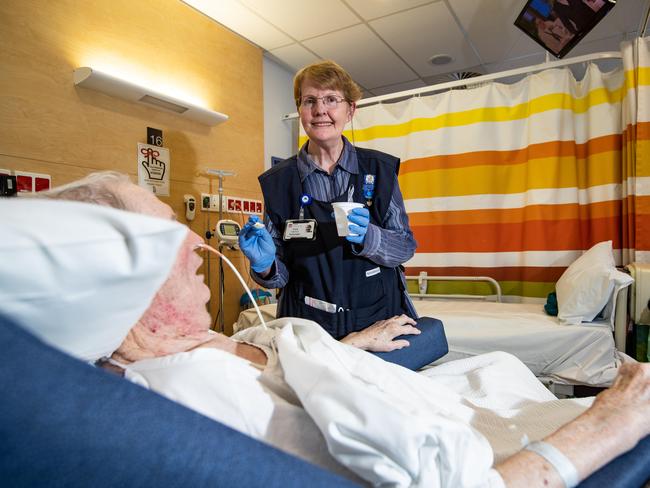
{"x": 262, "y": 376}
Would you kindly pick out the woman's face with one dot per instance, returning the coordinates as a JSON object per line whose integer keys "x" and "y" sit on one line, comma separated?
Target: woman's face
{"x": 323, "y": 125}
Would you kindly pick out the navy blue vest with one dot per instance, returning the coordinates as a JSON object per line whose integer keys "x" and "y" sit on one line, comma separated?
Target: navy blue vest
{"x": 325, "y": 268}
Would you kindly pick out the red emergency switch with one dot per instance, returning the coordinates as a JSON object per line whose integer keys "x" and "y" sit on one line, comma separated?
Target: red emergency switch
{"x": 24, "y": 182}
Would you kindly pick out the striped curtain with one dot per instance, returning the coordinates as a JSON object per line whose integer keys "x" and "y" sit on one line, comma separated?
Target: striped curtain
{"x": 636, "y": 151}
{"x": 516, "y": 181}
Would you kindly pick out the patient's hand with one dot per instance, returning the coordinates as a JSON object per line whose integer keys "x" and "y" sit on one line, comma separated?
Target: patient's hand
{"x": 627, "y": 402}
{"x": 379, "y": 336}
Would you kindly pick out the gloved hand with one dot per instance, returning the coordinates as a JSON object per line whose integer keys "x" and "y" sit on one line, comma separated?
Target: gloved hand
{"x": 257, "y": 244}
{"x": 360, "y": 220}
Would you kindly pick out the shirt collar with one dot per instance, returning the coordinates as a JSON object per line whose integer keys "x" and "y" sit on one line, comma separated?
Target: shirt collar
{"x": 347, "y": 161}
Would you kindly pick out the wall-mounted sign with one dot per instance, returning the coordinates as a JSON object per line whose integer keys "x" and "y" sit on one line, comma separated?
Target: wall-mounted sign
{"x": 153, "y": 169}
{"x": 154, "y": 137}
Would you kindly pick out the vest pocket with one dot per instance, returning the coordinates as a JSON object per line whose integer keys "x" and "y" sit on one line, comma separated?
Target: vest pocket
{"x": 362, "y": 317}
{"x": 328, "y": 321}
{"x": 366, "y": 289}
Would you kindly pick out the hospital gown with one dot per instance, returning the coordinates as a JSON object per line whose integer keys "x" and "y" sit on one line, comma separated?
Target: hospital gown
{"x": 350, "y": 412}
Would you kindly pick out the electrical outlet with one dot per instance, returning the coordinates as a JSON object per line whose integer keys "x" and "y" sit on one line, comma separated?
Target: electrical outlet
{"x": 210, "y": 203}
{"x": 205, "y": 201}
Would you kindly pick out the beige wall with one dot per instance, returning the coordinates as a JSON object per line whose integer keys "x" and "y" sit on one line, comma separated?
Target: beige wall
{"x": 49, "y": 126}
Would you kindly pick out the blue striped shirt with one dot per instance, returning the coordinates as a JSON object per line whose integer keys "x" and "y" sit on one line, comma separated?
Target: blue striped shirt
{"x": 390, "y": 244}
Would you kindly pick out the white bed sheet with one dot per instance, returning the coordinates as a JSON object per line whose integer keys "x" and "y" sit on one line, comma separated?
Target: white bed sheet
{"x": 572, "y": 355}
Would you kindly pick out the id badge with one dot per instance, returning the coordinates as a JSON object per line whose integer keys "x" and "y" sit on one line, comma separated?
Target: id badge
{"x": 304, "y": 229}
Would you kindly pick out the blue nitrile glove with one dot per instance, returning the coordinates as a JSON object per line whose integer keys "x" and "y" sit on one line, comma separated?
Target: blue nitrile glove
{"x": 360, "y": 219}
{"x": 257, "y": 244}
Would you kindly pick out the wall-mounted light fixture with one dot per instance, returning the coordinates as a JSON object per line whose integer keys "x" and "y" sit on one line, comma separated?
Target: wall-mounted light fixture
{"x": 96, "y": 80}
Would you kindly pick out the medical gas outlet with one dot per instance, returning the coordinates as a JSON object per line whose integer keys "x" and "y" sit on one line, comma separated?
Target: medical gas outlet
{"x": 210, "y": 203}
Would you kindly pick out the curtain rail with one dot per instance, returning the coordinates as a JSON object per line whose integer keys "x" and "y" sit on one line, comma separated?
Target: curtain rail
{"x": 481, "y": 79}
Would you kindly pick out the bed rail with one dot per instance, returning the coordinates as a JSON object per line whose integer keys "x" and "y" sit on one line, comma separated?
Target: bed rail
{"x": 423, "y": 278}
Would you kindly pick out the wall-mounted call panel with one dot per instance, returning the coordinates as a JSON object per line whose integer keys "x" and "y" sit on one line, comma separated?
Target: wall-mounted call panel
{"x": 210, "y": 203}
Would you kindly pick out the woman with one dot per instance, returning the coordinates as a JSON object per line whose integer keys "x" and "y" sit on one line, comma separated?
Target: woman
{"x": 344, "y": 284}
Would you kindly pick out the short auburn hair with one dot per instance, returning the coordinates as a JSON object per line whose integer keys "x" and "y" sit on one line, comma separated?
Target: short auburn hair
{"x": 326, "y": 74}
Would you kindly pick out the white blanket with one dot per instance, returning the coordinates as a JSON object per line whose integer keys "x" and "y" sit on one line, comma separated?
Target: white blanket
{"x": 569, "y": 354}
{"x": 387, "y": 424}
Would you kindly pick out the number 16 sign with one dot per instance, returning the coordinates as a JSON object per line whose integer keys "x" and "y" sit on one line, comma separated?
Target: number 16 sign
{"x": 153, "y": 169}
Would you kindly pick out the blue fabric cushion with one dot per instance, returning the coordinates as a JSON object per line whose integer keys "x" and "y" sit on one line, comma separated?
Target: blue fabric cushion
{"x": 424, "y": 348}
{"x": 629, "y": 470}
{"x": 65, "y": 423}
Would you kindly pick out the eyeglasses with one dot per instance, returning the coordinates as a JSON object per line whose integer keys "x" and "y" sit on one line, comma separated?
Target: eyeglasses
{"x": 329, "y": 101}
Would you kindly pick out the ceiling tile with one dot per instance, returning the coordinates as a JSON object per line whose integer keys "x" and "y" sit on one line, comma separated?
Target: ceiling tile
{"x": 596, "y": 46}
{"x": 407, "y": 85}
{"x": 516, "y": 63}
{"x": 241, "y": 20}
{"x": 368, "y": 60}
{"x": 304, "y": 19}
{"x": 373, "y": 9}
{"x": 479, "y": 20}
{"x": 294, "y": 56}
{"x": 420, "y": 33}
{"x": 525, "y": 46}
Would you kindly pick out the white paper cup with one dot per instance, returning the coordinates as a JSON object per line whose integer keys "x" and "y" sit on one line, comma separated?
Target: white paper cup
{"x": 341, "y": 211}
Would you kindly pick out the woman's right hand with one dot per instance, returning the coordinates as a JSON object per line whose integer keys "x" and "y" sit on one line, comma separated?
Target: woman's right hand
{"x": 379, "y": 337}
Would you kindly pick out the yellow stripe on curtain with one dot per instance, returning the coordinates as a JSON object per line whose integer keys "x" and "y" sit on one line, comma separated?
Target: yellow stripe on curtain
{"x": 516, "y": 181}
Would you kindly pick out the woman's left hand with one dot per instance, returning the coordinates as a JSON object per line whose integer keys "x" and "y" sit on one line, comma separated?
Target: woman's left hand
{"x": 359, "y": 219}
{"x": 379, "y": 336}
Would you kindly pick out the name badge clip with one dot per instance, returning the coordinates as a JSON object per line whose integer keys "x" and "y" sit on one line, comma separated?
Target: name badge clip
{"x": 368, "y": 188}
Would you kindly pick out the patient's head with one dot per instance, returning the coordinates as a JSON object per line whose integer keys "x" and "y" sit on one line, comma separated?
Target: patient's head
{"x": 177, "y": 318}
{"x": 95, "y": 188}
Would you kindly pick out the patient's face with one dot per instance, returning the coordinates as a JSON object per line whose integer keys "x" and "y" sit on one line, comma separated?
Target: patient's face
{"x": 178, "y": 310}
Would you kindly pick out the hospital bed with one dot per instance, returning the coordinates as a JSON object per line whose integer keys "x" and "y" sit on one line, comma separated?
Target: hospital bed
{"x": 561, "y": 356}
{"x": 66, "y": 423}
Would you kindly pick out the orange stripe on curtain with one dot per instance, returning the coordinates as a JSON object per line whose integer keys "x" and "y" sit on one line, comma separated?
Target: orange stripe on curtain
{"x": 592, "y": 147}
{"x": 517, "y": 215}
{"x": 642, "y": 209}
{"x": 636, "y": 141}
{"x": 546, "y": 235}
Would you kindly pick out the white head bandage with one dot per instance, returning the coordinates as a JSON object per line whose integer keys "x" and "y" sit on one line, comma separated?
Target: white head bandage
{"x": 78, "y": 275}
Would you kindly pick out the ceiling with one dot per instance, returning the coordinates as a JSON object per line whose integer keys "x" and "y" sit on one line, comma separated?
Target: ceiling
{"x": 386, "y": 44}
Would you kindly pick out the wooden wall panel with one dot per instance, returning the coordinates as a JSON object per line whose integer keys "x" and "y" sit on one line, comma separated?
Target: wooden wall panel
{"x": 50, "y": 126}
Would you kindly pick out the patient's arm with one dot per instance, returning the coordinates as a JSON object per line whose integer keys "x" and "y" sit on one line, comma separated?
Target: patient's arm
{"x": 617, "y": 420}
{"x": 379, "y": 336}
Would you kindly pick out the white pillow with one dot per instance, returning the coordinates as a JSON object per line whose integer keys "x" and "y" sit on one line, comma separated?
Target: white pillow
{"x": 79, "y": 275}
{"x": 586, "y": 286}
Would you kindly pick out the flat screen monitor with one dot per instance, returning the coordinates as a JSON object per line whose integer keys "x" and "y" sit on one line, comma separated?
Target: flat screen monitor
{"x": 558, "y": 25}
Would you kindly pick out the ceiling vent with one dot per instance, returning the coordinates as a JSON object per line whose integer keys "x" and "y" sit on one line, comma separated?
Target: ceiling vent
{"x": 455, "y": 76}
